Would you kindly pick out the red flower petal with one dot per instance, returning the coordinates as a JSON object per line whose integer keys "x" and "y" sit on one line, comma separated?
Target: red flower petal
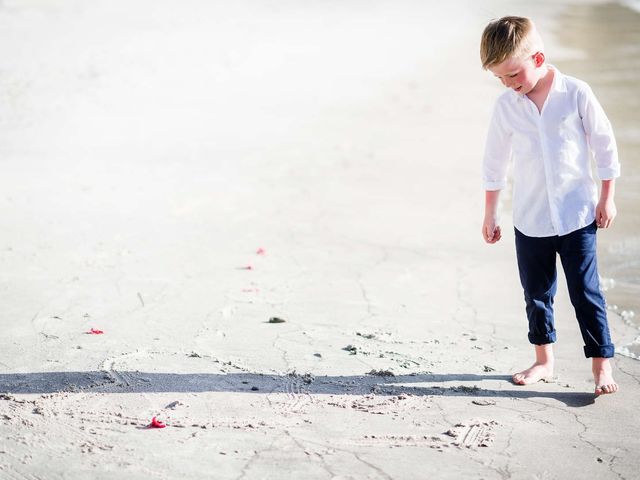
{"x": 95, "y": 331}
{"x": 261, "y": 251}
{"x": 156, "y": 423}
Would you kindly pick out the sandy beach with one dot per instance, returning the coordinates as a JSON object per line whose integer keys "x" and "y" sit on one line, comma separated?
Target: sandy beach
{"x": 271, "y": 211}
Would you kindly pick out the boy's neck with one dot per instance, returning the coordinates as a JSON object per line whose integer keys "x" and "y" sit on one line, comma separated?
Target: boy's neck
{"x": 543, "y": 84}
{"x": 538, "y": 95}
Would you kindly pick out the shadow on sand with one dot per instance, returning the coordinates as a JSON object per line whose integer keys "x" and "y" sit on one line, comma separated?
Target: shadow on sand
{"x": 133, "y": 381}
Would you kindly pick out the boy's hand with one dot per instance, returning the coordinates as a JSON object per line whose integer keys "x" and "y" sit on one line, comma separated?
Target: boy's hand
{"x": 490, "y": 230}
{"x": 605, "y": 213}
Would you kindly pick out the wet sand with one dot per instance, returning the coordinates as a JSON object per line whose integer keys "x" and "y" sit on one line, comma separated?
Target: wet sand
{"x": 179, "y": 178}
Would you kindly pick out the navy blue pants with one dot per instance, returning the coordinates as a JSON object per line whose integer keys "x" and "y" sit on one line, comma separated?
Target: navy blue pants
{"x": 537, "y": 266}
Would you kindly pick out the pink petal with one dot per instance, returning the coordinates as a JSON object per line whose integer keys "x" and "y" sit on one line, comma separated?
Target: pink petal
{"x": 156, "y": 423}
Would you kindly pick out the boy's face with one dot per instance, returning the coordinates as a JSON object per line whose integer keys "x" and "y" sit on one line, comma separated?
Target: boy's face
{"x": 520, "y": 74}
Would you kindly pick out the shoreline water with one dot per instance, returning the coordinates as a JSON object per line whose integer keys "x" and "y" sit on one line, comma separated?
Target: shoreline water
{"x": 632, "y": 4}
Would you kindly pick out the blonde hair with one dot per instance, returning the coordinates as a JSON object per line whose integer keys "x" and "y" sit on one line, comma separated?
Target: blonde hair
{"x": 508, "y": 37}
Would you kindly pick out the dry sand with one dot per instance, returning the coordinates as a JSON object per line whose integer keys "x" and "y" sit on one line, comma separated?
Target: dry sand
{"x": 149, "y": 150}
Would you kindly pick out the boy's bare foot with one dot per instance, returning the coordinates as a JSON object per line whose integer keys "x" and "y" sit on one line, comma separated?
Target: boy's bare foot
{"x": 603, "y": 376}
{"x": 542, "y": 368}
{"x": 534, "y": 374}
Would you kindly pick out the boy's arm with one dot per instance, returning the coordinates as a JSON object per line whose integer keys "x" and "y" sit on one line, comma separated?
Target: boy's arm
{"x": 490, "y": 228}
{"x": 605, "y": 153}
{"x": 606, "y": 208}
{"x": 494, "y": 172}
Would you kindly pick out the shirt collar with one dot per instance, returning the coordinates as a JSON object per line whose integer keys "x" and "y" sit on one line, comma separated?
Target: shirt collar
{"x": 559, "y": 84}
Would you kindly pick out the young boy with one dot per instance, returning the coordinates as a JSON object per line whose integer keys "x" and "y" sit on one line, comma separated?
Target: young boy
{"x": 547, "y": 123}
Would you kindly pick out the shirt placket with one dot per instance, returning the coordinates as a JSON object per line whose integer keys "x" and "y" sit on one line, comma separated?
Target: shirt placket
{"x": 546, "y": 162}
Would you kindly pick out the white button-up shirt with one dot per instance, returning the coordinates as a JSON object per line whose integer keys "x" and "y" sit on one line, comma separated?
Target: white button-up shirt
{"x": 553, "y": 190}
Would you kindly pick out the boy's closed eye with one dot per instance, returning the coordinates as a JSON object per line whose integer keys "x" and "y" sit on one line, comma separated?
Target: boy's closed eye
{"x": 510, "y": 75}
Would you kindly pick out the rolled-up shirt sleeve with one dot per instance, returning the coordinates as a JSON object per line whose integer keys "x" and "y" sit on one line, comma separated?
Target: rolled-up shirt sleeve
{"x": 599, "y": 135}
{"x": 497, "y": 152}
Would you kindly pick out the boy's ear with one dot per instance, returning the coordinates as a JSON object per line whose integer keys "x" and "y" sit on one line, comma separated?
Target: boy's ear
{"x": 538, "y": 59}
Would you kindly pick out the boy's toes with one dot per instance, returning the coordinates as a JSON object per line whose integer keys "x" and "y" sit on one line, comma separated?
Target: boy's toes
{"x": 604, "y": 389}
{"x": 518, "y": 378}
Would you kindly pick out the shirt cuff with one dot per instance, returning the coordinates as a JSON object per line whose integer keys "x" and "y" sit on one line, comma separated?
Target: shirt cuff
{"x": 500, "y": 185}
{"x": 608, "y": 173}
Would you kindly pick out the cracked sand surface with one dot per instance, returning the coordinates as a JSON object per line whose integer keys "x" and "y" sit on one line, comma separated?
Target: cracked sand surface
{"x": 278, "y": 129}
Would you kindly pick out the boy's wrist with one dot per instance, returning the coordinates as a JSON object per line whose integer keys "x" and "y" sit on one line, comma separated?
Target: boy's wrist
{"x": 607, "y": 190}
{"x": 606, "y": 197}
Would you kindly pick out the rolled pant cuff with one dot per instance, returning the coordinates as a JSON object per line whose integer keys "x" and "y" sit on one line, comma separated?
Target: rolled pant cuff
{"x": 542, "y": 339}
{"x": 601, "y": 351}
